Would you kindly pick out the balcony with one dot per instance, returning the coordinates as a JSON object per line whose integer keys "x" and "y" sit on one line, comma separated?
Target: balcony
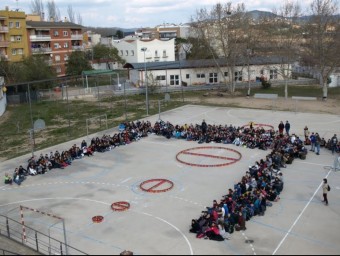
{"x": 4, "y": 29}
{"x": 77, "y": 37}
{"x": 77, "y": 48}
{"x": 4, "y": 44}
{"x": 41, "y": 50}
{"x": 37, "y": 38}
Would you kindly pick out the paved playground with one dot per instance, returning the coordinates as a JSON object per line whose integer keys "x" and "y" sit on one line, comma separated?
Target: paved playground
{"x": 162, "y": 195}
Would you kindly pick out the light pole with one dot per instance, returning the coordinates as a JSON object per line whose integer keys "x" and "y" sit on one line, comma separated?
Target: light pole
{"x": 144, "y": 49}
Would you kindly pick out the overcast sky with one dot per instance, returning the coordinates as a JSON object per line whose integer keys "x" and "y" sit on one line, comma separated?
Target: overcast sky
{"x": 139, "y": 13}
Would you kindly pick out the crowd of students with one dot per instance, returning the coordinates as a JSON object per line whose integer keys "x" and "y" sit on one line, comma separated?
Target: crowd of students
{"x": 133, "y": 131}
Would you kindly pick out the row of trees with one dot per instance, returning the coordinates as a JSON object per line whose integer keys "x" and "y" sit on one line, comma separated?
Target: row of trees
{"x": 53, "y": 11}
{"x": 229, "y": 32}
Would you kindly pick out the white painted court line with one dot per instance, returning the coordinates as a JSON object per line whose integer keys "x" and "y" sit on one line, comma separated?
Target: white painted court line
{"x": 124, "y": 181}
{"x": 298, "y": 218}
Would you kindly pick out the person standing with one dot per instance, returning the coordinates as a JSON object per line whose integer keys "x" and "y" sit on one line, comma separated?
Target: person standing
{"x": 317, "y": 143}
{"x": 306, "y": 133}
{"x": 312, "y": 141}
{"x": 334, "y": 143}
{"x": 204, "y": 127}
{"x": 281, "y": 128}
{"x": 325, "y": 189}
{"x": 287, "y": 127}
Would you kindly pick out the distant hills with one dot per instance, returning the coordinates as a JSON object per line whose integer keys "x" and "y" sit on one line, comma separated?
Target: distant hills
{"x": 256, "y": 15}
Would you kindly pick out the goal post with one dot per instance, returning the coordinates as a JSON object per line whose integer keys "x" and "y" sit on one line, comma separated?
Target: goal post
{"x": 96, "y": 123}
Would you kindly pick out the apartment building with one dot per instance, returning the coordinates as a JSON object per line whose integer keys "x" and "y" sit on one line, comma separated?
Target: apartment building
{"x": 164, "y": 32}
{"x": 55, "y": 40}
{"x": 13, "y": 35}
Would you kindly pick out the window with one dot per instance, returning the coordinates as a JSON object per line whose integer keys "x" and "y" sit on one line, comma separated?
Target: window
{"x": 226, "y": 74}
{"x": 56, "y": 33}
{"x": 164, "y": 54}
{"x": 187, "y": 76}
{"x": 238, "y": 76}
{"x": 132, "y": 53}
{"x": 12, "y": 38}
{"x": 273, "y": 74}
{"x": 262, "y": 72}
{"x": 11, "y": 24}
{"x": 58, "y": 70}
{"x": 18, "y": 38}
{"x": 213, "y": 78}
{"x": 17, "y": 24}
{"x": 20, "y": 51}
{"x": 66, "y": 45}
{"x": 156, "y": 53}
{"x": 127, "y": 53}
{"x": 65, "y": 33}
{"x": 160, "y": 78}
{"x": 121, "y": 53}
{"x": 66, "y": 57}
{"x": 14, "y": 52}
{"x": 200, "y": 75}
{"x": 174, "y": 80}
{"x": 57, "y": 58}
{"x": 56, "y": 45}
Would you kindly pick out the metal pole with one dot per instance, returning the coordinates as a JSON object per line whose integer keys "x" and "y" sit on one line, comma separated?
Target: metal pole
{"x": 125, "y": 103}
{"x": 159, "y": 110}
{"x": 68, "y": 113}
{"x": 31, "y": 114}
{"x": 66, "y": 247}
{"x": 146, "y": 93}
{"x": 180, "y": 72}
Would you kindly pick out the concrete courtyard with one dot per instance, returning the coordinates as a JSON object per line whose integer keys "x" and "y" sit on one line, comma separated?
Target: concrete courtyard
{"x": 158, "y": 223}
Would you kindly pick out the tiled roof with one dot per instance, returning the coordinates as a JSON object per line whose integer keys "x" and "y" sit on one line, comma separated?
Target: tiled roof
{"x": 45, "y": 24}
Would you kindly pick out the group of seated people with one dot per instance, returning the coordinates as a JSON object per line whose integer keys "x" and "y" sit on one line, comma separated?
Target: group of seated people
{"x": 133, "y": 131}
{"x": 261, "y": 185}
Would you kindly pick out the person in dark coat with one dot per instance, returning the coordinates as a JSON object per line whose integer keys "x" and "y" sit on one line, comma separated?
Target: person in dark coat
{"x": 287, "y": 127}
{"x": 281, "y": 127}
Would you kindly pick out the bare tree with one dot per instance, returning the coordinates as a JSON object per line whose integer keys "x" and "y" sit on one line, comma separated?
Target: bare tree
{"x": 322, "y": 42}
{"x": 37, "y": 7}
{"x": 284, "y": 35}
{"x": 71, "y": 14}
{"x": 220, "y": 29}
{"x": 79, "y": 19}
{"x": 53, "y": 11}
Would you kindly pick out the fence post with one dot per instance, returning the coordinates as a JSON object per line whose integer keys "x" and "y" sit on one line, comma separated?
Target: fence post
{"x": 36, "y": 241}
{"x": 61, "y": 248}
{"x": 7, "y": 225}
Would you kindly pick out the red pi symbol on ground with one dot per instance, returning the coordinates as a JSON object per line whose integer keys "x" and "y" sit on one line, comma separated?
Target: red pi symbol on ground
{"x": 156, "y": 186}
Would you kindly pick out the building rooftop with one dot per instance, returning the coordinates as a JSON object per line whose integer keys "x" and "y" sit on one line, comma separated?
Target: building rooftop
{"x": 45, "y": 24}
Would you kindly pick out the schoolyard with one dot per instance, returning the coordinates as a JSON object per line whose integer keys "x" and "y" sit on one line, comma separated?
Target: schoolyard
{"x": 158, "y": 223}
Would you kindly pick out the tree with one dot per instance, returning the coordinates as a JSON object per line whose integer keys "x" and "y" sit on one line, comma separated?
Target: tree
{"x": 284, "y": 36}
{"x": 103, "y": 52}
{"x": 79, "y": 19}
{"x": 322, "y": 40}
{"x": 71, "y": 14}
{"x": 119, "y": 34}
{"x": 77, "y": 63}
{"x": 53, "y": 11}
{"x": 220, "y": 29}
{"x": 37, "y": 7}
{"x": 34, "y": 68}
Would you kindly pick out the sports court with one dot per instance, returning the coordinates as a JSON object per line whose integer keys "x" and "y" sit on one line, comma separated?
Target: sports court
{"x": 159, "y": 185}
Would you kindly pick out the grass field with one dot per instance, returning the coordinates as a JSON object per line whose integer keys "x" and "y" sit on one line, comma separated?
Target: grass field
{"x": 66, "y": 121}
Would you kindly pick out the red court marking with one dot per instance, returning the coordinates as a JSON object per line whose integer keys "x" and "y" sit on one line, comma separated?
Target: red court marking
{"x": 120, "y": 206}
{"x": 259, "y": 126}
{"x": 229, "y": 160}
{"x": 97, "y": 219}
{"x": 156, "y": 183}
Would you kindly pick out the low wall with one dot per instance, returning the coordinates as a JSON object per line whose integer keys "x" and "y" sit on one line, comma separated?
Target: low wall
{"x": 3, "y": 104}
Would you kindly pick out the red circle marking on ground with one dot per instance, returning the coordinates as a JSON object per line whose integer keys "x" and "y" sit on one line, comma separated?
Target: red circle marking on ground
{"x": 97, "y": 219}
{"x": 150, "y": 186}
{"x": 229, "y": 160}
{"x": 259, "y": 126}
{"x": 120, "y": 206}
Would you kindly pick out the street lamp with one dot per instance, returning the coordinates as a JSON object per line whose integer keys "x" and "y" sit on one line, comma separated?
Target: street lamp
{"x": 144, "y": 49}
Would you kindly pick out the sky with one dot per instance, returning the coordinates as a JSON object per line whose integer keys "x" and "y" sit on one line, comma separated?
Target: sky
{"x": 140, "y": 13}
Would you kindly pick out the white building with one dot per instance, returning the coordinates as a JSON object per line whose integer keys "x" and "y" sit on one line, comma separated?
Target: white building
{"x": 130, "y": 49}
{"x": 3, "y": 99}
{"x": 202, "y": 72}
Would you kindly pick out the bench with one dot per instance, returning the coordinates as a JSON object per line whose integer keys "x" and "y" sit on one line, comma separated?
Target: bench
{"x": 304, "y": 98}
{"x": 266, "y": 96}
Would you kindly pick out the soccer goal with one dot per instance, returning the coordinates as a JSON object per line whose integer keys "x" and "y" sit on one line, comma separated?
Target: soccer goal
{"x": 336, "y": 165}
{"x": 96, "y": 124}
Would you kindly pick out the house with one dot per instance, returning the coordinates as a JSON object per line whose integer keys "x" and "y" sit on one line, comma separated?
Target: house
{"x": 202, "y": 72}
{"x": 55, "y": 40}
{"x": 13, "y": 35}
{"x": 130, "y": 49}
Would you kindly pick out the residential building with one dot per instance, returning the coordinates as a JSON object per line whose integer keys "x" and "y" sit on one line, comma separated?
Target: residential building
{"x": 164, "y": 32}
{"x": 130, "y": 49}
{"x": 91, "y": 39}
{"x": 13, "y": 35}
{"x": 55, "y": 40}
{"x": 202, "y": 72}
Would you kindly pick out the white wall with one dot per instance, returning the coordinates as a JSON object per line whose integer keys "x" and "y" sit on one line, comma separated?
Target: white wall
{"x": 190, "y": 77}
{"x": 130, "y": 50}
{"x": 3, "y": 101}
